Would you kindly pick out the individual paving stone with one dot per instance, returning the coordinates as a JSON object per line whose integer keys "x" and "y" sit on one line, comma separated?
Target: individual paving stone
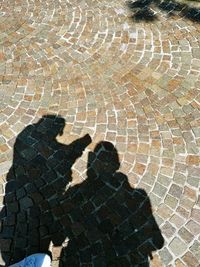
{"x": 192, "y": 148}
{"x": 177, "y": 220}
{"x": 182, "y": 212}
{"x": 185, "y": 235}
{"x": 166, "y": 256}
{"x": 55, "y": 263}
{"x": 156, "y": 261}
{"x": 177, "y": 246}
{"x": 168, "y": 230}
{"x": 190, "y": 259}
{"x": 193, "y": 227}
{"x": 179, "y": 263}
{"x": 20, "y": 193}
{"x": 195, "y": 214}
{"x": 164, "y": 211}
{"x": 159, "y": 190}
{"x": 56, "y": 251}
{"x": 164, "y": 180}
{"x": 193, "y": 181}
{"x": 25, "y": 203}
{"x": 190, "y": 193}
{"x": 193, "y": 160}
{"x": 155, "y": 200}
{"x": 186, "y": 203}
{"x": 179, "y": 178}
{"x": 171, "y": 201}
{"x": 175, "y": 191}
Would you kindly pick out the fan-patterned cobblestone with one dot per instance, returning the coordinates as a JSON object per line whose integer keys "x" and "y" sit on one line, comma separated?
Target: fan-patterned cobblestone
{"x": 136, "y": 85}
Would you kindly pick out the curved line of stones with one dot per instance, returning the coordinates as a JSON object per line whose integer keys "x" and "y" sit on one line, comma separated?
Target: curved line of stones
{"x": 140, "y": 60}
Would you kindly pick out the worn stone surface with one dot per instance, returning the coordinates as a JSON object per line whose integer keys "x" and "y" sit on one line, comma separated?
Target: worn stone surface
{"x": 134, "y": 84}
{"x": 177, "y": 246}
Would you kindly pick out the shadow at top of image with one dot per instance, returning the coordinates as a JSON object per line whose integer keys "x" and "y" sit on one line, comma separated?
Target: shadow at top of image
{"x": 143, "y": 10}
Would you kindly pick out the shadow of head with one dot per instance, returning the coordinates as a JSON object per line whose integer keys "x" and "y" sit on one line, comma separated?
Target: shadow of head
{"x": 104, "y": 159}
{"x": 51, "y": 126}
{"x": 33, "y": 148}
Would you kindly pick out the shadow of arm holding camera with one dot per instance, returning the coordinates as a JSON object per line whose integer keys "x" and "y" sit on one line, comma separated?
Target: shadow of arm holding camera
{"x": 77, "y": 147}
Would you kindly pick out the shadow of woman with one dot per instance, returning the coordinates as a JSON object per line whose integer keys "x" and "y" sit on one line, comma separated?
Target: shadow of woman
{"x": 40, "y": 172}
{"x": 111, "y": 223}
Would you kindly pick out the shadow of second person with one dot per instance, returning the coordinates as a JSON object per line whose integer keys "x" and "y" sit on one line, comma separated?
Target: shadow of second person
{"x": 111, "y": 223}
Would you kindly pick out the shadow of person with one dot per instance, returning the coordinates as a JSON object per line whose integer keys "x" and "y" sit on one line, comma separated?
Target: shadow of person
{"x": 40, "y": 172}
{"x": 111, "y": 223}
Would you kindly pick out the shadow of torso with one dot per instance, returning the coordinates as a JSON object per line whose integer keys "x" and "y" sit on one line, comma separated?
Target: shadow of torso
{"x": 110, "y": 223}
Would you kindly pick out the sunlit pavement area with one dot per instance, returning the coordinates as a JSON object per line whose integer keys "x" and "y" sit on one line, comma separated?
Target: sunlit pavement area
{"x": 133, "y": 84}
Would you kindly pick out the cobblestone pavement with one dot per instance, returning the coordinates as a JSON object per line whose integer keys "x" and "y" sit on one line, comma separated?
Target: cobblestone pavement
{"x": 136, "y": 85}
